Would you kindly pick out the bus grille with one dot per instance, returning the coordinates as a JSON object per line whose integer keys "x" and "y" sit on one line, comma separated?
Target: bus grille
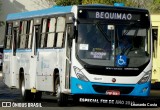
{"x": 103, "y": 89}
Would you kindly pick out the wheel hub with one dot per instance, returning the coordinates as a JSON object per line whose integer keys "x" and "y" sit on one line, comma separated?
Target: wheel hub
{"x": 57, "y": 91}
{"x": 23, "y": 88}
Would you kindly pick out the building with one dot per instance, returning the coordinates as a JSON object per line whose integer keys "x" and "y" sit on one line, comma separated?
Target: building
{"x": 13, "y": 6}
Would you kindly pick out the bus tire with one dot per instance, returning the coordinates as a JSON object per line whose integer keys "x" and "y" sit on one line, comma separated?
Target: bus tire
{"x": 38, "y": 96}
{"x": 61, "y": 98}
{"x": 26, "y": 94}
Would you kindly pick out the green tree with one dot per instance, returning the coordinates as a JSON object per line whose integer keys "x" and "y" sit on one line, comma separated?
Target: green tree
{"x": 154, "y": 6}
{"x": 110, "y": 2}
{"x": 132, "y": 3}
{"x": 1, "y": 22}
{"x": 68, "y": 2}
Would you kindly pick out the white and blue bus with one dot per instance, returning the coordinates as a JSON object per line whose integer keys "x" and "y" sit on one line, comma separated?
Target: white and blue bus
{"x": 79, "y": 50}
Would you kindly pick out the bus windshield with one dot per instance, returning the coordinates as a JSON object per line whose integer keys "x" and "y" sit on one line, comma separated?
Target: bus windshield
{"x": 101, "y": 43}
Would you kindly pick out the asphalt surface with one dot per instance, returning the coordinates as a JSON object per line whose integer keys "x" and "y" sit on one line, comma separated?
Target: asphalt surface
{"x": 49, "y": 102}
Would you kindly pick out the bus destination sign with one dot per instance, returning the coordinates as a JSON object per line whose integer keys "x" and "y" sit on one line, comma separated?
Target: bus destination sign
{"x": 112, "y": 15}
{"x": 109, "y": 15}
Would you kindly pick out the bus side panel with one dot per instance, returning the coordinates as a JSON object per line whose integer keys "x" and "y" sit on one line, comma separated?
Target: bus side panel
{"x": 62, "y": 69}
{"x": 32, "y": 72}
{"x": 6, "y": 69}
{"x": 14, "y": 80}
{"x": 10, "y": 70}
{"x": 23, "y": 59}
{"x": 46, "y": 63}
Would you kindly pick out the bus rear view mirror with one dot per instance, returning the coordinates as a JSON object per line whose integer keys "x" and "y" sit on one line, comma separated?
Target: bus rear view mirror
{"x": 70, "y": 31}
{"x": 110, "y": 27}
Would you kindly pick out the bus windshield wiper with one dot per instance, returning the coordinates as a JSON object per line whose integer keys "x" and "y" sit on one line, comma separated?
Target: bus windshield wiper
{"x": 103, "y": 33}
{"x": 128, "y": 29}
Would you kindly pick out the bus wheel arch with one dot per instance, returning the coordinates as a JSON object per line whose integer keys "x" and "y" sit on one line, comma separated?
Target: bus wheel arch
{"x": 21, "y": 76}
{"x": 61, "y": 97}
{"x": 25, "y": 94}
{"x": 55, "y": 75}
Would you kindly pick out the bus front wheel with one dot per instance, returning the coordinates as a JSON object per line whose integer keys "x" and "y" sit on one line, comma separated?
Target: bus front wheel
{"x": 26, "y": 94}
{"x": 61, "y": 98}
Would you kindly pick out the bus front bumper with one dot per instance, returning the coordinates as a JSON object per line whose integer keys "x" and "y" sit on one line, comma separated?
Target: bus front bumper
{"x": 83, "y": 87}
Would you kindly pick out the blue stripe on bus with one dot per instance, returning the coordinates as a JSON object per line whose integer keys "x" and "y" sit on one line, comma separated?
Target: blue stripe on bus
{"x": 30, "y": 50}
{"x": 7, "y": 51}
{"x": 23, "y": 50}
{"x": 49, "y": 50}
{"x": 19, "y": 50}
{"x": 49, "y": 11}
{"x": 139, "y": 89}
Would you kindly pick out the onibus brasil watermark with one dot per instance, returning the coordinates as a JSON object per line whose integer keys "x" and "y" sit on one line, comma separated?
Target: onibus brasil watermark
{"x": 19, "y": 104}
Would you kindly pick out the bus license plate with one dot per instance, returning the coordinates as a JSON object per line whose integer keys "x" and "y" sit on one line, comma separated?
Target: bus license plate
{"x": 112, "y": 92}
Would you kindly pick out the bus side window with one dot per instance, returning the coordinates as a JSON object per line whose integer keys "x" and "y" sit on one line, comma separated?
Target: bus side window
{"x": 60, "y": 28}
{"x": 43, "y": 34}
{"x": 15, "y": 36}
{"x": 30, "y": 31}
{"x": 23, "y": 36}
{"x": 51, "y": 32}
{"x": 8, "y": 36}
{"x": 59, "y": 40}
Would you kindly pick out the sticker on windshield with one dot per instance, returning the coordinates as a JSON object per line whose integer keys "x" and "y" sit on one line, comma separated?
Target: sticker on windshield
{"x": 83, "y": 46}
{"x": 121, "y": 60}
{"x": 99, "y": 55}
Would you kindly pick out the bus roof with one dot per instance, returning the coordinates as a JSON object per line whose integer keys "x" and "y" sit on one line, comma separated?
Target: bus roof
{"x": 62, "y": 9}
{"x": 112, "y": 7}
{"x": 44, "y": 12}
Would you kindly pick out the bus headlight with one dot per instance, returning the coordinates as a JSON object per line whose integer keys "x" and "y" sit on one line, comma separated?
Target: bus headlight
{"x": 145, "y": 78}
{"x": 79, "y": 74}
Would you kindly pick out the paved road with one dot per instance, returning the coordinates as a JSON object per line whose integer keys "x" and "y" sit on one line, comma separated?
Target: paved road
{"x": 49, "y": 102}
